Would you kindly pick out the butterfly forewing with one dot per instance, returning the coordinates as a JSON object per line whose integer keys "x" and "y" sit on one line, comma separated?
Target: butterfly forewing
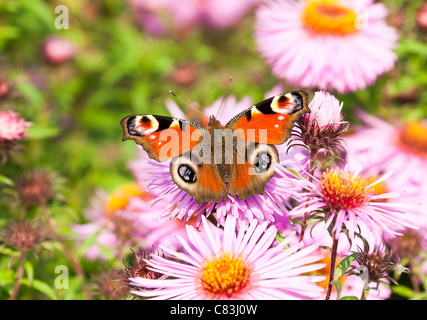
{"x": 271, "y": 121}
{"x": 162, "y": 137}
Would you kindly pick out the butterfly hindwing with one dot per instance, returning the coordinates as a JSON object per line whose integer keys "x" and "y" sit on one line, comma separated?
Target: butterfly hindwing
{"x": 200, "y": 180}
{"x": 271, "y": 120}
{"x": 252, "y": 172}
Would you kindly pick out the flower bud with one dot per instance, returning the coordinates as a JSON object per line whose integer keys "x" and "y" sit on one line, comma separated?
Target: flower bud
{"x": 58, "y": 50}
{"x": 422, "y": 17}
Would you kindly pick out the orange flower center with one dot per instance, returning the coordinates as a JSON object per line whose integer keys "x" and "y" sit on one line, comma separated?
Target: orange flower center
{"x": 329, "y": 17}
{"x": 413, "y": 138}
{"x": 225, "y": 276}
{"x": 343, "y": 190}
{"x": 120, "y": 197}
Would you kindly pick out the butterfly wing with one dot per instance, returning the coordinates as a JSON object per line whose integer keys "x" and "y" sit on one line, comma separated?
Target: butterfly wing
{"x": 259, "y": 127}
{"x": 200, "y": 179}
{"x": 262, "y": 126}
{"x": 270, "y": 121}
{"x": 162, "y": 137}
{"x": 252, "y": 171}
{"x": 184, "y": 142}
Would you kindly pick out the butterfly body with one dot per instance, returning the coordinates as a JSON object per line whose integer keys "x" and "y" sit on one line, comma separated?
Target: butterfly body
{"x": 218, "y": 161}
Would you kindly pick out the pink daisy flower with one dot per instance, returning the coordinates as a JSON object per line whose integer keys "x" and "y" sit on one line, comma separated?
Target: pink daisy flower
{"x": 210, "y": 13}
{"x": 191, "y": 13}
{"x": 115, "y": 221}
{"x": 145, "y": 12}
{"x": 12, "y": 127}
{"x": 326, "y": 110}
{"x": 342, "y": 198}
{"x": 158, "y": 230}
{"x": 126, "y": 218}
{"x": 410, "y": 193}
{"x": 380, "y": 147}
{"x": 250, "y": 267}
{"x": 326, "y": 44}
{"x": 413, "y": 242}
{"x": 321, "y": 130}
{"x": 155, "y": 176}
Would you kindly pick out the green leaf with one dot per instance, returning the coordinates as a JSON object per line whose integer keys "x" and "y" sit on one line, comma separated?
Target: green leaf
{"x": 411, "y": 46}
{"x": 42, "y": 287}
{"x": 29, "y": 269}
{"x": 7, "y": 280}
{"x": 349, "y": 298}
{"x": 31, "y": 93}
{"x": 293, "y": 172}
{"x": 338, "y": 286}
{"x": 5, "y": 180}
{"x": 419, "y": 296}
{"x": 7, "y": 33}
{"x": 40, "y": 11}
{"x": 41, "y": 132}
{"x": 403, "y": 291}
{"x": 7, "y": 251}
{"x": 345, "y": 263}
{"x": 7, "y": 277}
{"x": 279, "y": 237}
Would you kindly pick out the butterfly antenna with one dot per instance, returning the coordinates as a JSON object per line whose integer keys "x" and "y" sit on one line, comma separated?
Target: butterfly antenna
{"x": 223, "y": 99}
{"x": 186, "y": 103}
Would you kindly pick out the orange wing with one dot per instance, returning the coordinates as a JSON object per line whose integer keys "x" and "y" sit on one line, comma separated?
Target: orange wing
{"x": 200, "y": 180}
{"x": 270, "y": 121}
{"x": 162, "y": 137}
{"x": 250, "y": 177}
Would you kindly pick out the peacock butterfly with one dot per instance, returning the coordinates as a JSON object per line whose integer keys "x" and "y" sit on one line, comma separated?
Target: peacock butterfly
{"x": 211, "y": 163}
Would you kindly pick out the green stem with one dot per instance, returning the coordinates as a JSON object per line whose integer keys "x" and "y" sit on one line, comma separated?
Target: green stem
{"x": 334, "y": 252}
{"x": 313, "y": 162}
{"x": 19, "y": 274}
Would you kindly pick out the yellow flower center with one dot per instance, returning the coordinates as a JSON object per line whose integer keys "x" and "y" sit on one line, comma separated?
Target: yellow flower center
{"x": 329, "y": 17}
{"x": 413, "y": 138}
{"x": 120, "y": 197}
{"x": 225, "y": 276}
{"x": 343, "y": 190}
